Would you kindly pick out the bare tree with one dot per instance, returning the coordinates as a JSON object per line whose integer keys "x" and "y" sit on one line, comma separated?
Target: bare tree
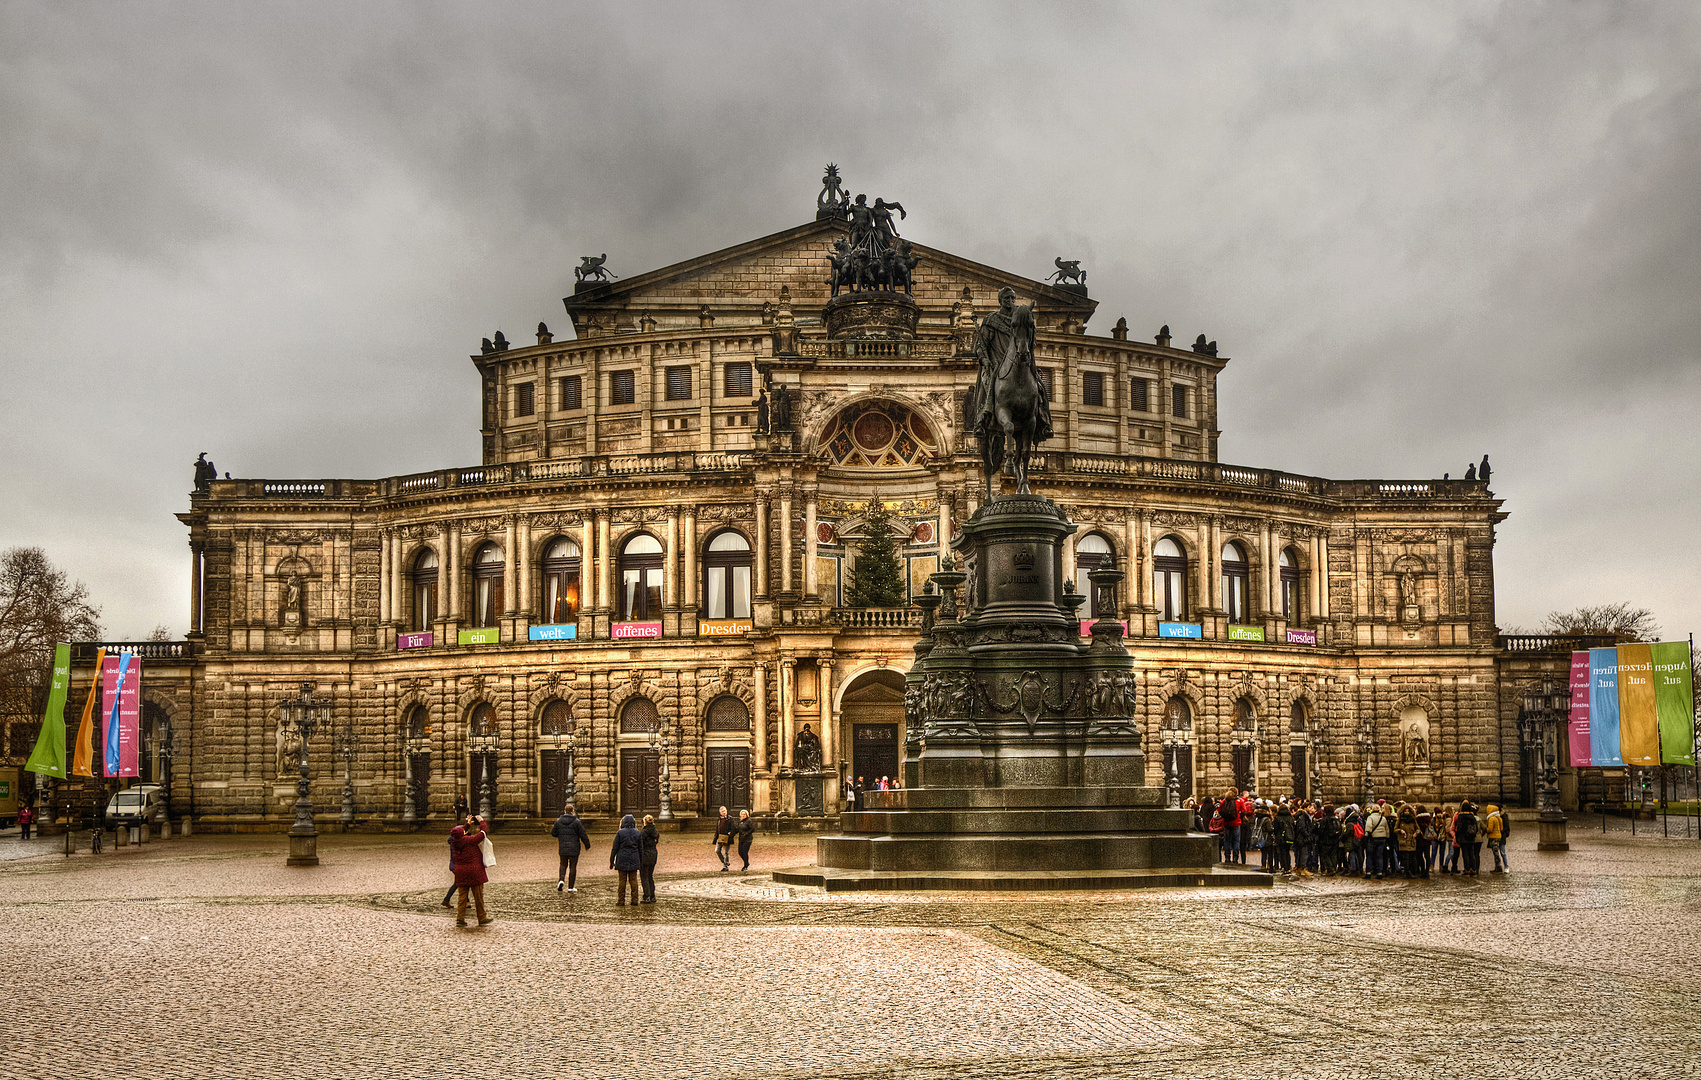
{"x": 159, "y": 633}
{"x": 1619, "y": 621}
{"x": 39, "y": 607}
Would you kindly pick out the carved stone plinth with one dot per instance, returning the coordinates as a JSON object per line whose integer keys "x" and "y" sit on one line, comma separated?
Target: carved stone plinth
{"x": 876, "y": 314}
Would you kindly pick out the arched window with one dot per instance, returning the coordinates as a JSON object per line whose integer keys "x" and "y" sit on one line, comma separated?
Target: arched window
{"x": 557, "y": 719}
{"x": 726, "y": 577}
{"x": 728, "y": 714}
{"x": 1244, "y": 718}
{"x": 1235, "y": 575}
{"x": 638, "y": 716}
{"x": 1298, "y": 720}
{"x": 1292, "y": 579}
{"x": 1092, "y": 551}
{"x": 424, "y": 589}
{"x": 1169, "y": 579}
{"x": 419, "y": 722}
{"x": 481, "y": 722}
{"x": 1178, "y": 716}
{"x": 487, "y": 585}
{"x": 560, "y": 581}
{"x": 640, "y": 580}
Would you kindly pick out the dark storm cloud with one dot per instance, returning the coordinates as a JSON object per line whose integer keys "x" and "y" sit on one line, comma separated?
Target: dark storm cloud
{"x": 274, "y": 232}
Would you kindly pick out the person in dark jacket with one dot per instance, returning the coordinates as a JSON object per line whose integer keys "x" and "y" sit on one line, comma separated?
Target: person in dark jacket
{"x": 746, "y": 833}
{"x": 647, "y": 859}
{"x": 1469, "y": 837}
{"x": 570, "y": 838}
{"x": 627, "y": 857}
{"x": 1304, "y": 838}
{"x": 1281, "y": 834}
{"x": 467, "y": 860}
{"x": 723, "y": 839}
{"x": 1328, "y": 841}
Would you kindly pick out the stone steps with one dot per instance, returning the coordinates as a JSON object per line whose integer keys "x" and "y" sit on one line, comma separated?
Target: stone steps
{"x": 836, "y": 880}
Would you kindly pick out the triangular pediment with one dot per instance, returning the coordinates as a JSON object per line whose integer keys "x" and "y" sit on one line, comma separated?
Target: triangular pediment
{"x": 737, "y": 282}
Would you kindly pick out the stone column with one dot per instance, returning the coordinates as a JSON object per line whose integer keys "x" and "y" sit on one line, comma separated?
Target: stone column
{"x": 605, "y": 563}
{"x": 785, "y": 540}
{"x": 587, "y": 561}
{"x": 1320, "y": 574}
{"x": 788, "y": 696}
{"x": 1272, "y": 571}
{"x": 523, "y": 568}
{"x": 762, "y": 544}
{"x": 445, "y": 576}
{"x": 759, "y": 684}
{"x": 670, "y": 568}
{"x": 1140, "y": 547}
{"x": 197, "y": 551}
{"x": 510, "y": 566}
{"x": 947, "y": 504}
{"x": 829, "y": 717}
{"x": 1214, "y": 563}
{"x": 690, "y": 583}
{"x": 385, "y": 561}
{"x": 809, "y": 581}
{"x": 399, "y": 580}
{"x": 1068, "y": 554}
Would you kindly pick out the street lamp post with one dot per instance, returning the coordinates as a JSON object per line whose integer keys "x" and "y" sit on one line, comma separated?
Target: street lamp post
{"x": 572, "y": 788}
{"x": 661, "y": 740}
{"x": 1539, "y": 721}
{"x": 304, "y": 714}
{"x": 346, "y": 749}
{"x": 1172, "y": 778}
{"x": 1367, "y": 748}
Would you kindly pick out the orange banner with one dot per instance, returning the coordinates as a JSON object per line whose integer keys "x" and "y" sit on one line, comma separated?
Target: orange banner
{"x": 1638, "y": 719}
{"x": 82, "y": 759}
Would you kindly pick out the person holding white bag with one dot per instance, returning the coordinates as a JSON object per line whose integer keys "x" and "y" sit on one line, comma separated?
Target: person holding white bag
{"x": 470, "y": 851}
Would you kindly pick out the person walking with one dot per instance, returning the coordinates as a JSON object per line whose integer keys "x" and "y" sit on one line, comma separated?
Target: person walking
{"x": 746, "y": 833}
{"x": 1467, "y": 835}
{"x": 1496, "y": 828}
{"x": 570, "y": 838}
{"x": 26, "y": 818}
{"x": 723, "y": 839}
{"x": 647, "y": 859}
{"x": 466, "y": 858}
{"x": 627, "y": 858}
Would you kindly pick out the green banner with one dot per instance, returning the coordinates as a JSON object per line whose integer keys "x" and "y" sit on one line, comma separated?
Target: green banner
{"x": 483, "y": 635}
{"x": 1674, "y": 698}
{"x": 49, "y": 754}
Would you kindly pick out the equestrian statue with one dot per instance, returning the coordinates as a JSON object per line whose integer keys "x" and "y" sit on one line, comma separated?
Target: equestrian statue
{"x": 1010, "y": 409}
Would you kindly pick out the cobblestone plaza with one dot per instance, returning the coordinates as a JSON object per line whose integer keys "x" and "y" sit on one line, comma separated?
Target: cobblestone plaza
{"x": 208, "y": 957}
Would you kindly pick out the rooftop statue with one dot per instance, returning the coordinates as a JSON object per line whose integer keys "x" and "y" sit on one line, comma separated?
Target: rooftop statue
{"x": 1067, "y": 272}
{"x": 834, "y": 201}
{"x": 591, "y": 268}
{"x": 206, "y": 473}
{"x": 872, "y": 256}
{"x": 1011, "y": 413}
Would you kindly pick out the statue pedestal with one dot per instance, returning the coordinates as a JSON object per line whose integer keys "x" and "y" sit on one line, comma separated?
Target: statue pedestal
{"x": 877, "y": 314}
{"x": 1417, "y": 779}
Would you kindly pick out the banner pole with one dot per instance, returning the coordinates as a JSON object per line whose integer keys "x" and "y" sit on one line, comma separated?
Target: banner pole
{"x": 1694, "y": 762}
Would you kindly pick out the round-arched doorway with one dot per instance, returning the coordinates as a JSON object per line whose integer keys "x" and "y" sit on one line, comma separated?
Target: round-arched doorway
{"x": 871, "y": 725}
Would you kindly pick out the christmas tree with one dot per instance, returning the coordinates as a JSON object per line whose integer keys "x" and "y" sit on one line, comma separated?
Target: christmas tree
{"x": 877, "y": 580}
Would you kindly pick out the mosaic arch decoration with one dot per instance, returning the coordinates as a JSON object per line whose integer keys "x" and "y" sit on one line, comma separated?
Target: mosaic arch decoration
{"x": 879, "y": 435}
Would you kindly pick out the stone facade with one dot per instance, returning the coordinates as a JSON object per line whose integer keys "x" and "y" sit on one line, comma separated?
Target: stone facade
{"x": 650, "y": 421}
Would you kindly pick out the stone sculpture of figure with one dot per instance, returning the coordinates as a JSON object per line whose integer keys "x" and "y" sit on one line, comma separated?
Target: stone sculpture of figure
{"x": 839, "y": 261}
{"x": 779, "y": 410}
{"x": 292, "y": 597}
{"x": 1068, "y": 271}
{"x": 831, "y": 202}
{"x": 1011, "y": 414}
{"x": 205, "y": 472}
{"x": 1483, "y": 470}
{"x": 1470, "y": 472}
{"x": 762, "y": 411}
{"x": 1417, "y": 745}
{"x": 289, "y": 750}
{"x": 882, "y": 215}
{"x": 486, "y": 347}
{"x": 1408, "y": 590}
{"x": 806, "y": 751}
{"x": 861, "y": 222}
{"x": 904, "y": 260}
{"x": 500, "y": 342}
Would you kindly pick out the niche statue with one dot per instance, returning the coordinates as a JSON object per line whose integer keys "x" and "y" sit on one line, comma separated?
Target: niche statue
{"x": 806, "y": 751}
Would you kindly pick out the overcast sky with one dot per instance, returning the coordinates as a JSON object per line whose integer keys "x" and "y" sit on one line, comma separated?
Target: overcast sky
{"x": 1422, "y": 232}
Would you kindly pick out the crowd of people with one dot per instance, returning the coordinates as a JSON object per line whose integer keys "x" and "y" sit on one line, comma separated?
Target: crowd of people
{"x": 1301, "y": 837}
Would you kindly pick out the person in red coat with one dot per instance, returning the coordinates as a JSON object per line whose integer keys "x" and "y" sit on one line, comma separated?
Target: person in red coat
{"x": 467, "y": 861}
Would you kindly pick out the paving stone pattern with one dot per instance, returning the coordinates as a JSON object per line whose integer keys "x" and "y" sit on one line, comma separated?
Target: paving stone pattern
{"x": 207, "y": 957}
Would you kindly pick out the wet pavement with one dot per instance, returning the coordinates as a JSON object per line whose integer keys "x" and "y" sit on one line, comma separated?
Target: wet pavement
{"x": 207, "y": 956}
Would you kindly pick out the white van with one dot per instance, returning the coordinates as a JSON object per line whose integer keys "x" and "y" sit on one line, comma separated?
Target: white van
{"x": 132, "y": 806}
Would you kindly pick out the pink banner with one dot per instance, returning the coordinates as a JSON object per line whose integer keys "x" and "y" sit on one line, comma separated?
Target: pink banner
{"x": 624, "y": 630}
{"x": 1578, "y": 727}
{"x": 413, "y": 641}
{"x": 1302, "y": 637}
{"x": 126, "y": 695}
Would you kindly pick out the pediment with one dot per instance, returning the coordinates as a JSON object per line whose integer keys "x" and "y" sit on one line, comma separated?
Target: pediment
{"x": 736, "y": 282}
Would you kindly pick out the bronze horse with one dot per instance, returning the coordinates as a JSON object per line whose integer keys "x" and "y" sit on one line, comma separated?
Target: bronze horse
{"x": 1011, "y": 413}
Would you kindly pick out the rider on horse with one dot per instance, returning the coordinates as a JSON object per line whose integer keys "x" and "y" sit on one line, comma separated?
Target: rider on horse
{"x": 1004, "y": 348}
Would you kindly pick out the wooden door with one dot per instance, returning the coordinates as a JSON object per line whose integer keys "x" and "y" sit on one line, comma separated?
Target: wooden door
{"x": 874, "y": 751}
{"x": 1243, "y": 777}
{"x": 554, "y": 795}
{"x": 640, "y": 782}
{"x": 420, "y": 765}
{"x": 1301, "y": 776}
{"x": 729, "y": 779}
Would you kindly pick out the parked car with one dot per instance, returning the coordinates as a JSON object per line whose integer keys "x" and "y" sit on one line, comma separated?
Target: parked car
{"x": 132, "y": 806}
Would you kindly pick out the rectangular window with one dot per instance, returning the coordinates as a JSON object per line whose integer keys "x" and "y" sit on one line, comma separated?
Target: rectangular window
{"x": 736, "y": 378}
{"x": 1092, "y": 388}
{"x": 525, "y": 399}
{"x": 1137, "y": 399}
{"x": 622, "y": 388}
{"x": 1180, "y": 395}
{"x": 561, "y": 595}
{"x": 679, "y": 383}
{"x": 572, "y": 393}
{"x": 1047, "y": 380}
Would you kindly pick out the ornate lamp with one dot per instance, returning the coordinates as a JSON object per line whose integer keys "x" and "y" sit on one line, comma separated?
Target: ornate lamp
{"x": 346, "y": 748}
{"x": 662, "y": 741}
{"x": 304, "y": 714}
{"x": 1542, "y": 713}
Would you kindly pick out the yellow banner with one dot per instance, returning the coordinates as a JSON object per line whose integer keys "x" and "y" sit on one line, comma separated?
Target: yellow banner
{"x": 1638, "y": 720}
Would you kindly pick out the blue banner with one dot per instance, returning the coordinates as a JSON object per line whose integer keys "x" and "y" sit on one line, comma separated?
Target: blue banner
{"x": 1603, "y": 708}
{"x": 558, "y": 632}
{"x": 1181, "y": 630}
